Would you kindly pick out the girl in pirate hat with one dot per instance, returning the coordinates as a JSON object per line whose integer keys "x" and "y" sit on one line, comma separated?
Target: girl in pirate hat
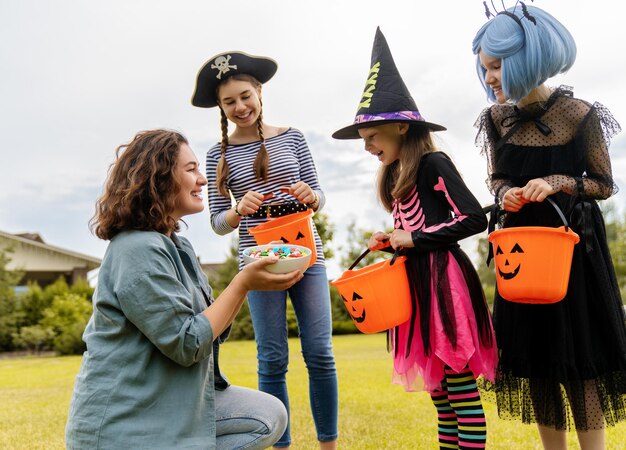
{"x": 566, "y": 360}
{"x": 448, "y": 341}
{"x": 269, "y": 172}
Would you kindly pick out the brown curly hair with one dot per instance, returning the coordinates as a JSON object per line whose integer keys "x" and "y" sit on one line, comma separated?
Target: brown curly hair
{"x": 141, "y": 186}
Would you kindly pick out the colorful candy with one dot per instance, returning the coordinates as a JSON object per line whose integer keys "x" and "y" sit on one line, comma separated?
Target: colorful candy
{"x": 282, "y": 252}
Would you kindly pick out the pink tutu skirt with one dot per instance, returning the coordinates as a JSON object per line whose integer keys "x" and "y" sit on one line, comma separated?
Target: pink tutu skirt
{"x": 420, "y": 372}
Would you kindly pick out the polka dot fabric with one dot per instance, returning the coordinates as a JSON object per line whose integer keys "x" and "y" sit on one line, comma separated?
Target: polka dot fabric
{"x": 278, "y": 210}
{"x": 589, "y": 128}
{"x": 561, "y": 365}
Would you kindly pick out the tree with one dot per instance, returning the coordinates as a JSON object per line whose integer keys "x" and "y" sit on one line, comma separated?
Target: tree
{"x": 617, "y": 247}
{"x": 34, "y": 338}
{"x": 356, "y": 244}
{"x": 67, "y": 317}
{"x": 326, "y": 231}
{"x": 40, "y": 319}
{"x": 37, "y": 300}
{"x": 10, "y": 316}
{"x": 242, "y": 326}
{"x": 227, "y": 270}
{"x": 8, "y": 278}
{"x": 487, "y": 274}
{"x": 615, "y": 232}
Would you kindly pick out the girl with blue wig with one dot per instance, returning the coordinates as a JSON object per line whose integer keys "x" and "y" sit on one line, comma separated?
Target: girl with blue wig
{"x": 564, "y": 363}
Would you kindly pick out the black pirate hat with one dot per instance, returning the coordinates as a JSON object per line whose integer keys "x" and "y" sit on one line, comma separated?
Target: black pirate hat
{"x": 385, "y": 98}
{"x": 220, "y": 67}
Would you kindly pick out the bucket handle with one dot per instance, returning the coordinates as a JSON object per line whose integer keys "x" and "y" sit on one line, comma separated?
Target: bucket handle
{"x": 494, "y": 208}
{"x": 362, "y": 255}
{"x": 284, "y": 190}
{"x": 496, "y": 211}
{"x": 560, "y": 213}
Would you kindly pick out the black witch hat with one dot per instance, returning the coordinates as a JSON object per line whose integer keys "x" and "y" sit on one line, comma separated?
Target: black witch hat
{"x": 225, "y": 65}
{"x": 385, "y": 98}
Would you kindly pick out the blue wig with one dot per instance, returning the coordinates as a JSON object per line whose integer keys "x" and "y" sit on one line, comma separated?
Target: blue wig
{"x": 530, "y": 53}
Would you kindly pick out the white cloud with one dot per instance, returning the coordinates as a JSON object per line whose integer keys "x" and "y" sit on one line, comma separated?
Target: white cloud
{"x": 80, "y": 78}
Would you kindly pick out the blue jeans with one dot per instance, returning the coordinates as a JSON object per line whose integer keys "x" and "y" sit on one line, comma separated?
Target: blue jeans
{"x": 246, "y": 418}
{"x": 311, "y": 302}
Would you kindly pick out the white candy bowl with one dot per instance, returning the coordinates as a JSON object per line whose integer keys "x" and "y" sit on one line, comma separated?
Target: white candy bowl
{"x": 287, "y": 262}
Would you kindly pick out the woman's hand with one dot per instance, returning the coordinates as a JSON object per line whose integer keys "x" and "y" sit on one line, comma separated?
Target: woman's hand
{"x": 513, "y": 200}
{"x": 401, "y": 238}
{"x": 254, "y": 277}
{"x": 536, "y": 190}
{"x": 249, "y": 203}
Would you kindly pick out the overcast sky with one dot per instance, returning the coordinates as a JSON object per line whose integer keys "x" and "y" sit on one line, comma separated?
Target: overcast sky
{"x": 78, "y": 78}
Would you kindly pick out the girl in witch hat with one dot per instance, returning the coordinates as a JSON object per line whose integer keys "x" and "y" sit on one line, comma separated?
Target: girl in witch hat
{"x": 448, "y": 341}
{"x": 269, "y": 172}
{"x": 566, "y": 360}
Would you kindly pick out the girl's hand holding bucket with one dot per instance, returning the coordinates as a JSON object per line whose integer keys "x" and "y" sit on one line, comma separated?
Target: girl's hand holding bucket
{"x": 397, "y": 239}
{"x": 249, "y": 203}
{"x": 302, "y": 192}
{"x": 401, "y": 238}
{"x": 378, "y": 240}
{"x": 537, "y": 190}
{"x": 513, "y": 200}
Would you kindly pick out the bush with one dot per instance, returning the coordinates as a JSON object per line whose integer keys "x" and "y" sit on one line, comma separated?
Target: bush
{"x": 344, "y": 327}
{"x": 70, "y": 340}
{"x": 242, "y": 326}
{"x": 10, "y": 318}
{"x": 34, "y": 338}
{"x": 67, "y": 317}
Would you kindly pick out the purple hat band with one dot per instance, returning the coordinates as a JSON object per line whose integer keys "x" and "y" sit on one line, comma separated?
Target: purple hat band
{"x": 399, "y": 115}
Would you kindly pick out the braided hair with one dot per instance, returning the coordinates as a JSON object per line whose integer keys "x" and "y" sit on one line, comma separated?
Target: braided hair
{"x": 261, "y": 162}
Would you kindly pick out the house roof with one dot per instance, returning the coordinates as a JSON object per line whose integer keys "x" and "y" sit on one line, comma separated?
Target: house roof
{"x": 34, "y": 241}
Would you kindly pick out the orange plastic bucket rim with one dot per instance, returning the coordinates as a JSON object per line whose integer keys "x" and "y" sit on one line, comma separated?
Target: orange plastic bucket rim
{"x": 533, "y": 263}
{"x": 377, "y": 296}
{"x": 558, "y": 232}
{"x": 296, "y": 228}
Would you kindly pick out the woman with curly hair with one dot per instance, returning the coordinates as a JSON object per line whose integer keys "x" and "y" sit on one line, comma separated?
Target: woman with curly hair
{"x": 150, "y": 377}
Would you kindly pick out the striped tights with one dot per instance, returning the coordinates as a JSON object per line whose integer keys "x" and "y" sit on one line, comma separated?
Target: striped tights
{"x": 460, "y": 415}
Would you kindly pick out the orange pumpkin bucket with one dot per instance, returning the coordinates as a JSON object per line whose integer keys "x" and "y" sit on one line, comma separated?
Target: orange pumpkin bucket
{"x": 533, "y": 263}
{"x": 377, "y": 297}
{"x": 296, "y": 228}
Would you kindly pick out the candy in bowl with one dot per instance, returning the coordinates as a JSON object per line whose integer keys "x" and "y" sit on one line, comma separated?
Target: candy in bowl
{"x": 291, "y": 257}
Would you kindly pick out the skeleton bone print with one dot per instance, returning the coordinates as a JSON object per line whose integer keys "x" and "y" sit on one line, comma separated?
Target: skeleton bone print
{"x": 408, "y": 214}
{"x": 222, "y": 64}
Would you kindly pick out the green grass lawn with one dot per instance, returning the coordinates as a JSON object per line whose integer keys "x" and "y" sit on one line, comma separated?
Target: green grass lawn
{"x": 373, "y": 413}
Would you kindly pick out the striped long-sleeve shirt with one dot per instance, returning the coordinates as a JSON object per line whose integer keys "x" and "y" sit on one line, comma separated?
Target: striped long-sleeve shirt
{"x": 290, "y": 162}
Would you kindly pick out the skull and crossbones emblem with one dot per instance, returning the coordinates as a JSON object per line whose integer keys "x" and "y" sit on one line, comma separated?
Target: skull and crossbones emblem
{"x": 222, "y": 65}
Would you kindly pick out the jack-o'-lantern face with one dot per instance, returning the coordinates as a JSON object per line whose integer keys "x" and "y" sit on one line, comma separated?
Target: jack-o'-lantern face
{"x": 352, "y": 309}
{"x": 509, "y": 269}
{"x": 295, "y": 240}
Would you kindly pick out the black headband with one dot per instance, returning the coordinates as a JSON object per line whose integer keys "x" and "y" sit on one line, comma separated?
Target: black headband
{"x": 512, "y": 16}
{"x": 525, "y": 12}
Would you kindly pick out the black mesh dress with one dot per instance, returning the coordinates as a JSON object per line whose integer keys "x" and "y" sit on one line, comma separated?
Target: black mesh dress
{"x": 570, "y": 354}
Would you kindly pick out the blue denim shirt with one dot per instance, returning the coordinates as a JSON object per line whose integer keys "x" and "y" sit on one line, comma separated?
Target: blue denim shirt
{"x": 146, "y": 379}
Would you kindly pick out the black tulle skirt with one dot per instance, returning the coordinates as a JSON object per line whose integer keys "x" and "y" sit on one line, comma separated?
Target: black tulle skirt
{"x": 564, "y": 364}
